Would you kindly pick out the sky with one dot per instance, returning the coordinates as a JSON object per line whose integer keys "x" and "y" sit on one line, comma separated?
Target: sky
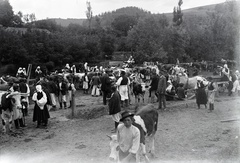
{"x": 77, "y": 8}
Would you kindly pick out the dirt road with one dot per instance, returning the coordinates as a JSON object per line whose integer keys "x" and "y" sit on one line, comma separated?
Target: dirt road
{"x": 185, "y": 134}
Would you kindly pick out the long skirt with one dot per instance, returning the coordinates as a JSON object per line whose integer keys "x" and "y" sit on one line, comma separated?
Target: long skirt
{"x": 201, "y": 96}
{"x": 39, "y": 114}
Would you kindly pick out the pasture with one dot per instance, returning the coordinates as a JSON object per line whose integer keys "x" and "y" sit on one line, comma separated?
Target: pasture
{"x": 185, "y": 134}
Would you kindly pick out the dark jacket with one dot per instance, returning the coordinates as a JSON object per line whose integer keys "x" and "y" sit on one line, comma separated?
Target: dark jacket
{"x": 114, "y": 103}
{"x": 106, "y": 83}
{"x": 162, "y": 85}
{"x": 154, "y": 83}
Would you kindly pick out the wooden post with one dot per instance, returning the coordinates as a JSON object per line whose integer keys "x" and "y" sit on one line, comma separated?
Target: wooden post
{"x": 29, "y": 72}
{"x": 73, "y": 104}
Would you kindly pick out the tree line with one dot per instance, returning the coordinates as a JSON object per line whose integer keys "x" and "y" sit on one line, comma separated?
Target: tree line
{"x": 211, "y": 35}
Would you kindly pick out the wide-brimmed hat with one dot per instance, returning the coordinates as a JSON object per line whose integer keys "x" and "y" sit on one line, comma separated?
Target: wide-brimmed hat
{"x": 126, "y": 114}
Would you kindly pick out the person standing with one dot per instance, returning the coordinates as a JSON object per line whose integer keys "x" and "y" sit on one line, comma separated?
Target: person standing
{"x": 15, "y": 95}
{"x": 212, "y": 88}
{"x": 62, "y": 95}
{"x": 71, "y": 90}
{"x": 115, "y": 107}
{"x": 85, "y": 83}
{"x": 24, "y": 88}
{"x": 95, "y": 85}
{"x": 128, "y": 137}
{"x": 40, "y": 112}
{"x": 154, "y": 86}
{"x": 53, "y": 91}
{"x": 106, "y": 86}
{"x": 161, "y": 90}
{"x": 225, "y": 73}
{"x": 38, "y": 73}
{"x": 123, "y": 85}
{"x": 201, "y": 96}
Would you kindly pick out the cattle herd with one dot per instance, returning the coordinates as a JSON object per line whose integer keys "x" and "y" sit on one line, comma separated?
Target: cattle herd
{"x": 140, "y": 78}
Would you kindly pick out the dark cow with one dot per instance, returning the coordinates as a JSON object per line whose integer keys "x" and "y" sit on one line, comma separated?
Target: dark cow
{"x": 139, "y": 91}
{"x": 146, "y": 120}
{"x": 6, "y": 111}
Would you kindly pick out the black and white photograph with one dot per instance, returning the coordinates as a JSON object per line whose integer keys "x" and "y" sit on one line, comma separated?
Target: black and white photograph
{"x": 119, "y": 81}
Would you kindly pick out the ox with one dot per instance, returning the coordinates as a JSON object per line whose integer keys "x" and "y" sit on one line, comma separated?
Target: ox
{"x": 146, "y": 120}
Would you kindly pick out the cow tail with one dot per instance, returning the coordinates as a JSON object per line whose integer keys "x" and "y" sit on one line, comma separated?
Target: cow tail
{"x": 156, "y": 122}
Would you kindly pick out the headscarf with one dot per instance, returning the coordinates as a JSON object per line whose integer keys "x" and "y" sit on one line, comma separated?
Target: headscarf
{"x": 39, "y": 88}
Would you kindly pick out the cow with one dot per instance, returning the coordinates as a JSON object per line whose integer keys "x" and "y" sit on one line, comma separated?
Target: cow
{"x": 139, "y": 91}
{"x": 6, "y": 111}
{"x": 146, "y": 120}
{"x": 10, "y": 108}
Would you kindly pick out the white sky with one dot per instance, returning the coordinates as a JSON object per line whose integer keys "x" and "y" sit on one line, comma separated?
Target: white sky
{"x": 77, "y": 8}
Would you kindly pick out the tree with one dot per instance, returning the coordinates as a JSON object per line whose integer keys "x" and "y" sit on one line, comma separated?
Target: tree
{"x": 89, "y": 14}
{"x": 146, "y": 38}
{"x": 123, "y": 23}
{"x": 6, "y": 13}
{"x": 177, "y": 14}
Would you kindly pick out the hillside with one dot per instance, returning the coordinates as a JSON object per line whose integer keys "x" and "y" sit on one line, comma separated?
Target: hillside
{"x": 134, "y": 11}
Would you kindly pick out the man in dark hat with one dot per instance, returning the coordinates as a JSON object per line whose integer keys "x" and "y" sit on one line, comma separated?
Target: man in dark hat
{"x": 128, "y": 138}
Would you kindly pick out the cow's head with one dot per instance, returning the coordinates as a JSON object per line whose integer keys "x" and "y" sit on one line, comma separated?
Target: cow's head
{"x": 113, "y": 146}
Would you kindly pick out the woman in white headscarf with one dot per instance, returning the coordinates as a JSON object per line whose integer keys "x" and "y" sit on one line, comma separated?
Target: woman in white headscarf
{"x": 40, "y": 112}
{"x": 225, "y": 73}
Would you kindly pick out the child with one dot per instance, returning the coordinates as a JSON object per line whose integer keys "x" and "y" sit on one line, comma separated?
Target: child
{"x": 180, "y": 91}
{"x": 211, "y": 93}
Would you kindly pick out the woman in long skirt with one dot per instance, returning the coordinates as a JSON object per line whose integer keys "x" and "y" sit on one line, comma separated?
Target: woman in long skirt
{"x": 40, "y": 112}
{"x": 201, "y": 95}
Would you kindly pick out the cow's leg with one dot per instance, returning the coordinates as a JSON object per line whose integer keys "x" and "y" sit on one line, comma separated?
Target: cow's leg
{"x": 10, "y": 122}
{"x": 152, "y": 147}
{"x": 4, "y": 125}
{"x": 144, "y": 152}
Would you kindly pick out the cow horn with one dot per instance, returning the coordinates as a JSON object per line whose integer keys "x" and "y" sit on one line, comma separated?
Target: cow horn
{"x": 109, "y": 137}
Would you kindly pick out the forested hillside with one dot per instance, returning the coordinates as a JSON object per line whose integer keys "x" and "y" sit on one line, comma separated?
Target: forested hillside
{"x": 204, "y": 33}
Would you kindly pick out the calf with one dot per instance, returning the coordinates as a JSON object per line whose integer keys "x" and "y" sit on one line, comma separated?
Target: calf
{"x": 146, "y": 120}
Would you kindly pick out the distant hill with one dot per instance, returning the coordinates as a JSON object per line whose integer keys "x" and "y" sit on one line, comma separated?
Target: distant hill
{"x": 107, "y": 17}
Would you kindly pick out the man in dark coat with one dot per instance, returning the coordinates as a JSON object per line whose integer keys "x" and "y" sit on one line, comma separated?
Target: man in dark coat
{"x": 115, "y": 107}
{"x": 106, "y": 86}
{"x": 161, "y": 90}
{"x": 154, "y": 86}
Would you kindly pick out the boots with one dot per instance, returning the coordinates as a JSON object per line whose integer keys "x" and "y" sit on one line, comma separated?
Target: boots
{"x": 60, "y": 105}
{"x": 21, "y": 123}
{"x": 65, "y": 105}
{"x": 38, "y": 124}
{"x": 212, "y": 106}
{"x": 16, "y": 124}
{"x": 70, "y": 104}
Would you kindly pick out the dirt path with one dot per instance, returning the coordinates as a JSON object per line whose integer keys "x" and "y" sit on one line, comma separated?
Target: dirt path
{"x": 184, "y": 134}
